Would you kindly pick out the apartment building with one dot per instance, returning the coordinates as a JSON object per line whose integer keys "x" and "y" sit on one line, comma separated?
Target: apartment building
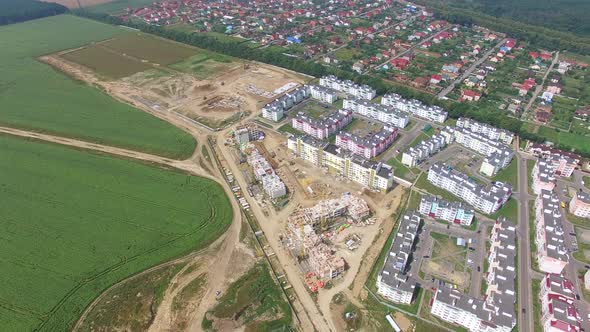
{"x": 368, "y": 146}
{"x": 495, "y": 312}
{"x": 392, "y": 282}
{"x": 415, "y": 107}
{"x": 387, "y": 115}
{"x": 552, "y": 254}
{"x": 485, "y": 199}
{"x": 275, "y": 110}
{"x": 323, "y": 94}
{"x": 368, "y": 173}
{"x": 580, "y": 205}
{"x": 486, "y": 130}
{"x": 425, "y": 149}
{"x": 563, "y": 162}
{"x": 495, "y": 162}
{"x": 452, "y": 212}
{"x": 263, "y": 172}
{"x": 543, "y": 176}
{"x": 558, "y": 315}
{"x": 556, "y": 285}
{"x": 248, "y": 133}
{"x": 349, "y": 87}
{"x": 500, "y": 155}
{"x": 323, "y": 127}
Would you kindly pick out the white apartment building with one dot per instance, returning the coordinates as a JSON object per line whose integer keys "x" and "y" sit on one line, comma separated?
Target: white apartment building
{"x": 263, "y": 172}
{"x": 552, "y": 254}
{"x": 368, "y": 173}
{"x": 324, "y": 127}
{"x": 580, "y": 205}
{"x": 563, "y": 162}
{"x": 500, "y": 155}
{"x": 485, "y": 199}
{"x": 275, "y": 110}
{"x": 349, "y": 87}
{"x": 381, "y": 113}
{"x": 427, "y": 148}
{"x": 392, "y": 282}
{"x": 486, "y": 130}
{"x": 415, "y": 107}
{"x": 323, "y": 94}
{"x": 543, "y": 176}
{"x": 452, "y": 212}
{"x": 495, "y": 313}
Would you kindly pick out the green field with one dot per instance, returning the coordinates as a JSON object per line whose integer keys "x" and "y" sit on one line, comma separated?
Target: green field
{"x": 205, "y": 64}
{"x": 150, "y": 48}
{"x": 74, "y": 223}
{"x": 118, "y": 6}
{"x": 35, "y": 96}
{"x": 105, "y": 62}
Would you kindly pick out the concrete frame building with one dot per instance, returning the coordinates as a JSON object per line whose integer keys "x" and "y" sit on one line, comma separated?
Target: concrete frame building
{"x": 552, "y": 254}
{"x": 580, "y": 205}
{"x": 385, "y": 114}
{"x": 324, "y": 127}
{"x": 485, "y": 199}
{"x": 415, "y": 107}
{"x": 486, "y": 130}
{"x": 369, "y": 146}
{"x": 368, "y": 173}
{"x": 425, "y": 149}
{"x": 323, "y": 94}
{"x": 275, "y": 110}
{"x": 543, "y": 177}
{"x": 263, "y": 172}
{"x": 452, "y": 212}
{"x": 349, "y": 87}
{"x": 563, "y": 162}
{"x": 392, "y": 282}
{"x": 559, "y": 315}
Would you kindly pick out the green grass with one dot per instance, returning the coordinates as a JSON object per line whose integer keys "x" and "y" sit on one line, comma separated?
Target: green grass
{"x": 287, "y": 128}
{"x": 400, "y": 170}
{"x": 106, "y": 63}
{"x": 75, "y": 222}
{"x": 530, "y": 164}
{"x": 204, "y": 65}
{"x": 36, "y": 97}
{"x": 153, "y": 49}
{"x": 536, "y": 306}
{"x": 254, "y": 295}
{"x": 509, "y": 174}
{"x": 508, "y": 210}
{"x": 578, "y": 142}
{"x": 118, "y": 6}
{"x": 586, "y": 180}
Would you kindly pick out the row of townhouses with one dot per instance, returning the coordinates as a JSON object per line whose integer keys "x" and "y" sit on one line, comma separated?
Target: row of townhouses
{"x": 563, "y": 162}
{"x": 425, "y": 149}
{"x": 558, "y": 312}
{"x": 485, "y": 199}
{"x": 323, "y": 127}
{"x": 393, "y": 283}
{"x": 276, "y": 109}
{"x": 263, "y": 172}
{"x": 486, "y": 130}
{"x": 495, "y": 312}
{"x": 417, "y": 108}
{"x": 368, "y": 173}
{"x": 498, "y": 155}
{"x": 387, "y": 115}
{"x": 452, "y": 212}
{"x": 552, "y": 254}
{"x": 349, "y": 87}
{"x": 368, "y": 146}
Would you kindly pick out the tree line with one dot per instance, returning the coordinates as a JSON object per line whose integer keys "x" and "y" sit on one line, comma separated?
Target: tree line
{"x": 273, "y": 56}
{"x": 14, "y": 11}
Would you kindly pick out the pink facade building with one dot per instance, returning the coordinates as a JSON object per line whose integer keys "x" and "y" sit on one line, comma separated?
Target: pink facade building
{"x": 323, "y": 127}
{"x": 580, "y": 205}
{"x": 368, "y": 146}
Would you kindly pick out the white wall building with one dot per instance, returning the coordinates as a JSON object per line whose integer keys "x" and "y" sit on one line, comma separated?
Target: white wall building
{"x": 486, "y": 130}
{"x": 381, "y": 113}
{"x": 323, "y": 94}
{"x": 275, "y": 110}
{"x": 349, "y": 87}
{"x": 452, "y": 212}
{"x": 580, "y": 205}
{"x": 552, "y": 254}
{"x": 417, "y": 108}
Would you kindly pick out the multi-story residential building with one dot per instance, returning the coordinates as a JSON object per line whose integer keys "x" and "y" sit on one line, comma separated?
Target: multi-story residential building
{"x": 349, "y": 87}
{"x": 248, "y": 133}
{"x": 543, "y": 176}
{"x": 392, "y": 282}
{"x": 488, "y": 131}
{"x": 453, "y": 212}
{"x": 324, "y": 127}
{"x": 580, "y": 205}
{"x": 417, "y": 108}
{"x": 385, "y": 114}
{"x": 558, "y": 315}
{"x": 263, "y": 172}
{"x": 427, "y": 148}
{"x": 323, "y": 94}
{"x": 275, "y": 110}
{"x": 563, "y": 162}
{"x": 495, "y": 313}
{"x": 556, "y": 285}
{"x": 369, "y": 146}
{"x": 500, "y": 155}
{"x": 371, "y": 174}
{"x": 485, "y": 199}
{"x": 552, "y": 254}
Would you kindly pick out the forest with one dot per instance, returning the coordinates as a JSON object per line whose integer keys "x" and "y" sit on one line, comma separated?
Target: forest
{"x": 14, "y": 11}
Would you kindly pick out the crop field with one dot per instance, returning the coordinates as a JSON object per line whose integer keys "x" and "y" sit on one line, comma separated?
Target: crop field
{"x": 34, "y": 96}
{"x": 150, "y": 48}
{"x": 105, "y": 62}
{"x": 118, "y": 6}
{"x": 74, "y": 223}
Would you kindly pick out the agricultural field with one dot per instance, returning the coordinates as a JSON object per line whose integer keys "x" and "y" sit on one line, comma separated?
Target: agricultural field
{"x": 35, "y": 96}
{"x": 84, "y": 221}
{"x": 105, "y": 62}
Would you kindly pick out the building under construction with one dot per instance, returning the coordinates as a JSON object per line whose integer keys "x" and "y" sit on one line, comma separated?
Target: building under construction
{"x": 305, "y": 227}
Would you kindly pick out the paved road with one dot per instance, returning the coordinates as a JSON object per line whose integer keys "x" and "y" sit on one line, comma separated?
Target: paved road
{"x": 539, "y": 87}
{"x": 469, "y": 70}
